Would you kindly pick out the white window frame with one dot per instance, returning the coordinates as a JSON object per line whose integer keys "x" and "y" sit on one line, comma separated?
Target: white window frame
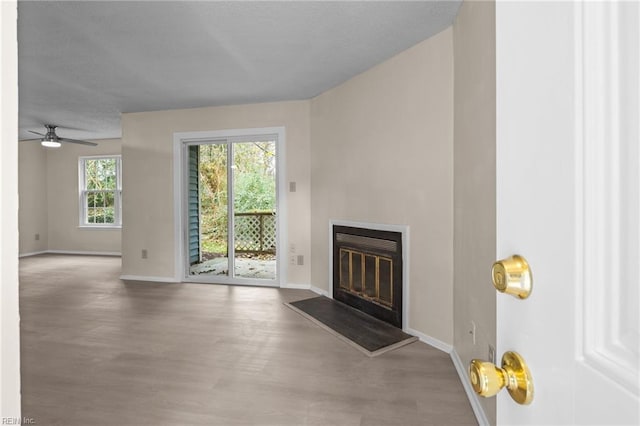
{"x": 82, "y": 193}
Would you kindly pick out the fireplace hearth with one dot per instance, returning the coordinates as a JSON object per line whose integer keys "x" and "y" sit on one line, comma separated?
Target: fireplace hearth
{"x": 367, "y": 271}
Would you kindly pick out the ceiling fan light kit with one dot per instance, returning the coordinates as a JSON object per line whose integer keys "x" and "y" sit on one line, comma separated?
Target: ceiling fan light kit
{"x": 51, "y": 140}
{"x": 50, "y": 144}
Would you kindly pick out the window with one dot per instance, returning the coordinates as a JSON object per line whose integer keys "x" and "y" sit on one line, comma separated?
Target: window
{"x": 100, "y": 191}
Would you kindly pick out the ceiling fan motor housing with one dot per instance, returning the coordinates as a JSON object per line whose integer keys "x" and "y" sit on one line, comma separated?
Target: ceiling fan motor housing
{"x": 51, "y": 133}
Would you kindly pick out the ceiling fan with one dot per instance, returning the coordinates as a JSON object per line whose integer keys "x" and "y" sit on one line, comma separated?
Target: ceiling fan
{"x": 51, "y": 140}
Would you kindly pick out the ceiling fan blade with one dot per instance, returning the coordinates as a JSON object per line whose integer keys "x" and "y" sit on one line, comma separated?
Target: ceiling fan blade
{"x": 77, "y": 141}
{"x": 31, "y": 131}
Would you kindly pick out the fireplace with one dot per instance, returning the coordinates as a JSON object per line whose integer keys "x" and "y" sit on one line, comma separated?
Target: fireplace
{"x": 367, "y": 271}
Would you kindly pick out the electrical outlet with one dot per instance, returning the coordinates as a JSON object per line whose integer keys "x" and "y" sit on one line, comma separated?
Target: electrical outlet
{"x": 37, "y": 237}
{"x": 144, "y": 253}
{"x": 492, "y": 354}
{"x": 300, "y": 260}
{"x": 472, "y": 332}
{"x": 292, "y": 187}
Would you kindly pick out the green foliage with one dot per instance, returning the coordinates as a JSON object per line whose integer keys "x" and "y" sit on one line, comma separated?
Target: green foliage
{"x": 211, "y": 245}
{"x": 100, "y": 215}
{"x": 254, "y": 192}
{"x": 101, "y": 181}
{"x": 254, "y": 181}
{"x": 254, "y": 177}
{"x": 213, "y": 197}
{"x": 100, "y": 173}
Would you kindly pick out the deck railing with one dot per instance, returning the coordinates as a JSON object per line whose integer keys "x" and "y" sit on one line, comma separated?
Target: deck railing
{"x": 255, "y": 232}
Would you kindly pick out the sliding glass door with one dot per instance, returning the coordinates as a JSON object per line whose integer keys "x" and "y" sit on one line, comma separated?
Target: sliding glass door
{"x": 231, "y": 203}
{"x": 254, "y": 209}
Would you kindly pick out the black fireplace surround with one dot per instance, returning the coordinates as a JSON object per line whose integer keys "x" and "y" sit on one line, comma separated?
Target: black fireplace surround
{"x": 367, "y": 271}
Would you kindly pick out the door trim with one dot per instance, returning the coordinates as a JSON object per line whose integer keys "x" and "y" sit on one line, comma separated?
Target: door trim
{"x": 180, "y": 139}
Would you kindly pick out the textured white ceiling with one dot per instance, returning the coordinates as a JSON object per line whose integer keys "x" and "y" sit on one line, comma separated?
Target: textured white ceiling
{"x": 82, "y": 64}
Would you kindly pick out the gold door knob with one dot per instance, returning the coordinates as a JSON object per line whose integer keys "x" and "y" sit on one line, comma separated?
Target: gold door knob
{"x": 512, "y": 276}
{"x": 488, "y": 379}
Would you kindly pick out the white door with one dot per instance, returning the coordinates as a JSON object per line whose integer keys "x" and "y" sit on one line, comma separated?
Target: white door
{"x": 568, "y": 190}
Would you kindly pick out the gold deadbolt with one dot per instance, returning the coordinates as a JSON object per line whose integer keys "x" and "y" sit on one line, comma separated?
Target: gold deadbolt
{"x": 512, "y": 276}
{"x": 488, "y": 379}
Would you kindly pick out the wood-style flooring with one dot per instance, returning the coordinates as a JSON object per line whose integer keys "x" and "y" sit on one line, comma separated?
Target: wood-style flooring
{"x": 99, "y": 351}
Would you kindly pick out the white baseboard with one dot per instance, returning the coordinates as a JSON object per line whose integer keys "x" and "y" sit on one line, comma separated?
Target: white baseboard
{"x": 319, "y": 291}
{"x": 296, "y": 286}
{"x": 431, "y": 341}
{"x": 481, "y": 417}
{"x": 148, "y": 278}
{"x": 73, "y": 252}
{"x": 85, "y": 253}
{"x": 34, "y": 253}
{"x": 307, "y": 287}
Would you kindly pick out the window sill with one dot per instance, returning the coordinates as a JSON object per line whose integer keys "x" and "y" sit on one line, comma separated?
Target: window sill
{"x": 101, "y": 227}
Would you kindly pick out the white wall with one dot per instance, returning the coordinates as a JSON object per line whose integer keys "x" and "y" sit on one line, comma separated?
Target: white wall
{"x": 382, "y": 152}
{"x": 32, "y": 182}
{"x": 63, "y": 201}
{"x": 49, "y": 200}
{"x": 9, "y": 315}
{"x": 474, "y": 298}
{"x": 148, "y": 201}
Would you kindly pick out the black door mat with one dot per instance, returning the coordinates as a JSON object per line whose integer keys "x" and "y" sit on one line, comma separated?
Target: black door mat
{"x": 364, "y": 332}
